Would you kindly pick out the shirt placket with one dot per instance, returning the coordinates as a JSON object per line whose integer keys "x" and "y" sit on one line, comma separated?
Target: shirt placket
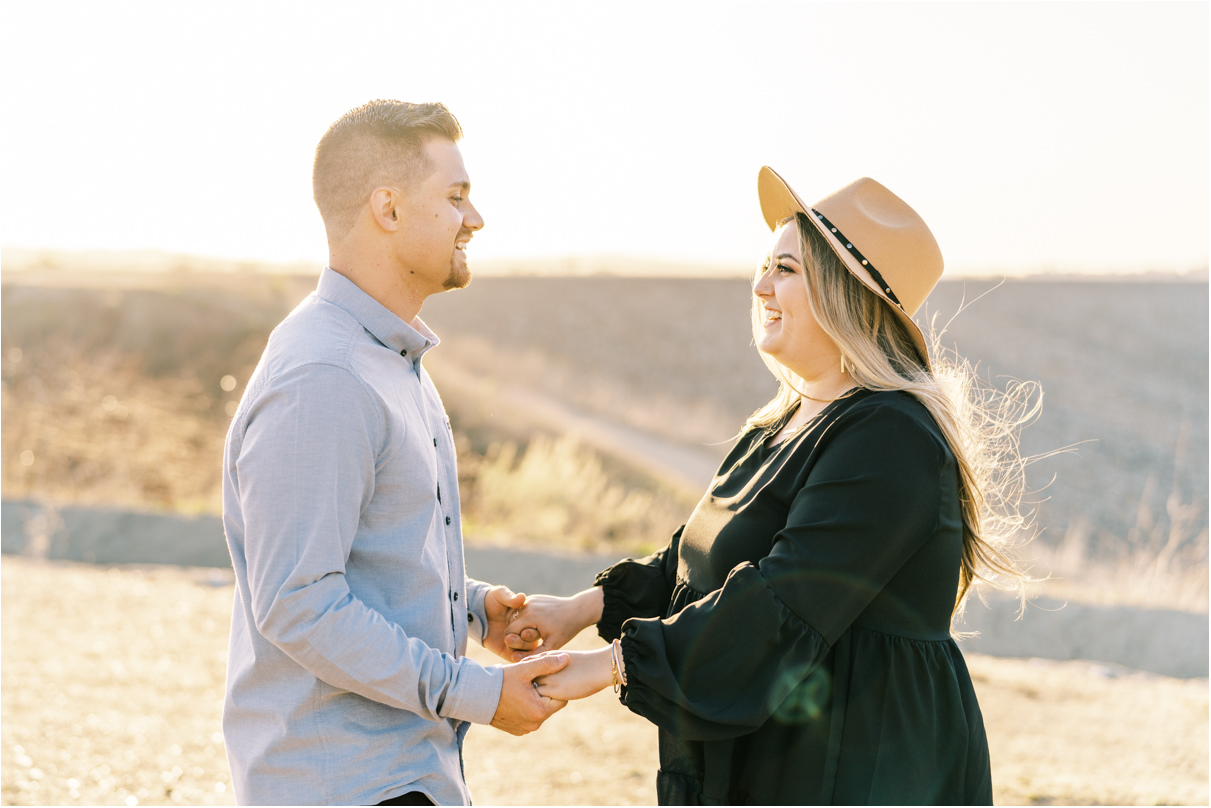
{"x": 447, "y": 496}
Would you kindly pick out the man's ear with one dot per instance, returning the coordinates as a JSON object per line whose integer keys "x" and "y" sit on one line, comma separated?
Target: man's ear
{"x": 384, "y": 207}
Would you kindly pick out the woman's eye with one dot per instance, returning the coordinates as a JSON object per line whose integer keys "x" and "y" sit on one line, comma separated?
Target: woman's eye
{"x": 456, "y": 198}
{"x": 785, "y": 269}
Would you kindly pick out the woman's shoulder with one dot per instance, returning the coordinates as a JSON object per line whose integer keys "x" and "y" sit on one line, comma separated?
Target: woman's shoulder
{"x": 889, "y": 401}
{"x": 890, "y": 412}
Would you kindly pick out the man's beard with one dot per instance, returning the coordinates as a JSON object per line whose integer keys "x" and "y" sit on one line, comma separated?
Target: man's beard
{"x": 458, "y": 278}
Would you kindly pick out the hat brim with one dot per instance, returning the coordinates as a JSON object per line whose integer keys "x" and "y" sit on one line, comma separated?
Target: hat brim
{"x": 779, "y": 202}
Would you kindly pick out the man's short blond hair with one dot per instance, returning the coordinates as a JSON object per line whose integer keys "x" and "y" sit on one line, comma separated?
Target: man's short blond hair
{"x": 379, "y": 143}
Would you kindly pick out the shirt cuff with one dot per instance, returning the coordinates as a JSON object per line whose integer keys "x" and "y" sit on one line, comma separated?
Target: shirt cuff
{"x": 476, "y": 692}
{"x": 477, "y": 617}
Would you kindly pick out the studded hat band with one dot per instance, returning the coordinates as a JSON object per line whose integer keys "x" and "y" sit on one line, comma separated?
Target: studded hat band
{"x": 874, "y": 273}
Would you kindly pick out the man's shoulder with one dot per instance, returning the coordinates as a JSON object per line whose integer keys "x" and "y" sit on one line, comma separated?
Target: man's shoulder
{"x": 310, "y": 358}
{"x": 316, "y": 332}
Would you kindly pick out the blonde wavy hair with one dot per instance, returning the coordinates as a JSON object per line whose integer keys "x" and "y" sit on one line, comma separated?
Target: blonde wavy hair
{"x": 981, "y": 424}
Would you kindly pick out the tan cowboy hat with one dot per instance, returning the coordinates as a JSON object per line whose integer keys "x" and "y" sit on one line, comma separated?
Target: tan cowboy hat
{"x": 879, "y": 238}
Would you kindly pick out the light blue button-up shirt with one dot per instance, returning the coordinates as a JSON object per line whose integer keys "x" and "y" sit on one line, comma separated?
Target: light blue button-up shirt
{"x": 346, "y": 679}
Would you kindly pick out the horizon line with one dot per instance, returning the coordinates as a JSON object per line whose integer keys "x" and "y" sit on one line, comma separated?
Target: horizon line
{"x": 31, "y": 259}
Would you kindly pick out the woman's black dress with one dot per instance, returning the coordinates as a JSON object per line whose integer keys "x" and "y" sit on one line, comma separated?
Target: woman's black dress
{"x": 792, "y": 642}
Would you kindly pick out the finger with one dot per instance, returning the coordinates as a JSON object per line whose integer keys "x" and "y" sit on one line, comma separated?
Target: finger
{"x": 542, "y": 665}
{"x": 523, "y": 636}
{"x": 516, "y": 642}
{"x": 506, "y": 596}
{"x": 520, "y": 655}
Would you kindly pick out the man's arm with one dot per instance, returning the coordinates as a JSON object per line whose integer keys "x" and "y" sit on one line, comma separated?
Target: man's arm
{"x": 306, "y": 471}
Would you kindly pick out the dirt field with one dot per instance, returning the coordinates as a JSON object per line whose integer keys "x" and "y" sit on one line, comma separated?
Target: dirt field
{"x": 117, "y": 390}
{"x": 1123, "y": 366}
{"x": 112, "y": 686}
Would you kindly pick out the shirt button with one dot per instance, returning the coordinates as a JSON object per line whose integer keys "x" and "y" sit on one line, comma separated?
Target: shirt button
{"x": 470, "y": 617}
{"x": 456, "y": 597}
{"x": 447, "y": 520}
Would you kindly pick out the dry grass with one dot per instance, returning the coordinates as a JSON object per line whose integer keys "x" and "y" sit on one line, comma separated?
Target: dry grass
{"x": 1123, "y": 367}
{"x": 112, "y": 686}
{"x": 1171, "y": 574}
{"x": 100, "y": 431}
{"x": 113, "y": 393}
{"x": 112, "y": 679}
{"x": 557, "y": 493}
{"x": 131, "y": 412}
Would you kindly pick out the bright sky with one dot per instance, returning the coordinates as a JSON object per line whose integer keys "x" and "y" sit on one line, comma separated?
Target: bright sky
{"x": 1031, "y": 136}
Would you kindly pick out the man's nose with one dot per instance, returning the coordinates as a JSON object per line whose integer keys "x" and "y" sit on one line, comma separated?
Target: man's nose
{"x": 473, "y": 221}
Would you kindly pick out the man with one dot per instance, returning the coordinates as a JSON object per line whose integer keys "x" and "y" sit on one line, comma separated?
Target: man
{"x": 347, "y": 681}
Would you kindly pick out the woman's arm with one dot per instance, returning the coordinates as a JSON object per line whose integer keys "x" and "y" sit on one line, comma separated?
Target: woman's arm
{"x": 586, "y": 673}
{"x": 638, "y": 588}
{"x": 723, "y": 665}
{"x": 631, "y": 588}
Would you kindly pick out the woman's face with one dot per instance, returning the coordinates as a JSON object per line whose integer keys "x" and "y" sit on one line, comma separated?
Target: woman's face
{"x": 789, "y": 331}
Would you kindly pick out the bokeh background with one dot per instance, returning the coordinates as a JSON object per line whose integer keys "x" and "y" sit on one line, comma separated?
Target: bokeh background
{"x": 156, "y": 222}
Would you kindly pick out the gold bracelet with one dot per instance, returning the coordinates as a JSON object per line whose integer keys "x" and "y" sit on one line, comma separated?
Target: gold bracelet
{"x": 615, "y": 650}
{"x": 614, "y": 669}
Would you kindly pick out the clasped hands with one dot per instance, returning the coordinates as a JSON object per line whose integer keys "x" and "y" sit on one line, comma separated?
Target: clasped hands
{"x": 530, "y": 631}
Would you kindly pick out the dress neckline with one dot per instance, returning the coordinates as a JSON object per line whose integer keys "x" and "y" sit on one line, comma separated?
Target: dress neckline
{"x": 806, "y": 426}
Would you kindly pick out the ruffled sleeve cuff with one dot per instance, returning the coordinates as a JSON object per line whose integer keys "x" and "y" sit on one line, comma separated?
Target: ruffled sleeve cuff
{"x": 631, "y": 588}
{"x": 613, "y": 612}
{"x": 701, "y": 691}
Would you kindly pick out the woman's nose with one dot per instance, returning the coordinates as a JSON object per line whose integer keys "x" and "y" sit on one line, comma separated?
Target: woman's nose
{"x": 762, "y": 286}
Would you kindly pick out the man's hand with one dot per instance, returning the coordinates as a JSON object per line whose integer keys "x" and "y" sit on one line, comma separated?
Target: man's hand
{"x": 499, "y": 604}
{"x": 521, "y": 709}
{"x": 550, "y": 622}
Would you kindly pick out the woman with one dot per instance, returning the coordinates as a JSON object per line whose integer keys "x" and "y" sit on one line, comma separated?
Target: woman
{"x": 792, "y": 642}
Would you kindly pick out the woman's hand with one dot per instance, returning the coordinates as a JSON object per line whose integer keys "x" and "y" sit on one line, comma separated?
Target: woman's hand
{"x": 550, "y": 622}
{"x": 586, "y": 673}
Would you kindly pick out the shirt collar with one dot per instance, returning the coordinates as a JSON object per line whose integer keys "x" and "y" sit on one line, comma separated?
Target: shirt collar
{"x": 411, "y": 341}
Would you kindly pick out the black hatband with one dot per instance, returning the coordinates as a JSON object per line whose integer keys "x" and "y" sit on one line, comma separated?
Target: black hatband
{"x": 874, "y": 273}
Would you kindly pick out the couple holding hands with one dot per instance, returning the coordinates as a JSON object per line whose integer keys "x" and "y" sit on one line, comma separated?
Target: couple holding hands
{"x": 792, "y": 641}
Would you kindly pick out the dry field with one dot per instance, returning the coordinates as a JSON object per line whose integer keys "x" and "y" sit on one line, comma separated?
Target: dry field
{"x": 117, "y": 390}
{"x": 112, "y": 686}
{"x": 1123, "y": 366}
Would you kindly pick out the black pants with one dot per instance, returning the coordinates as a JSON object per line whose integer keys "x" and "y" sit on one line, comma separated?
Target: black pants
{"x": 408, "y": 798}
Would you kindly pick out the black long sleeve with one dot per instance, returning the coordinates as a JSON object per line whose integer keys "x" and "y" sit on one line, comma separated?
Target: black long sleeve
{"x": 721, "y": 666}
